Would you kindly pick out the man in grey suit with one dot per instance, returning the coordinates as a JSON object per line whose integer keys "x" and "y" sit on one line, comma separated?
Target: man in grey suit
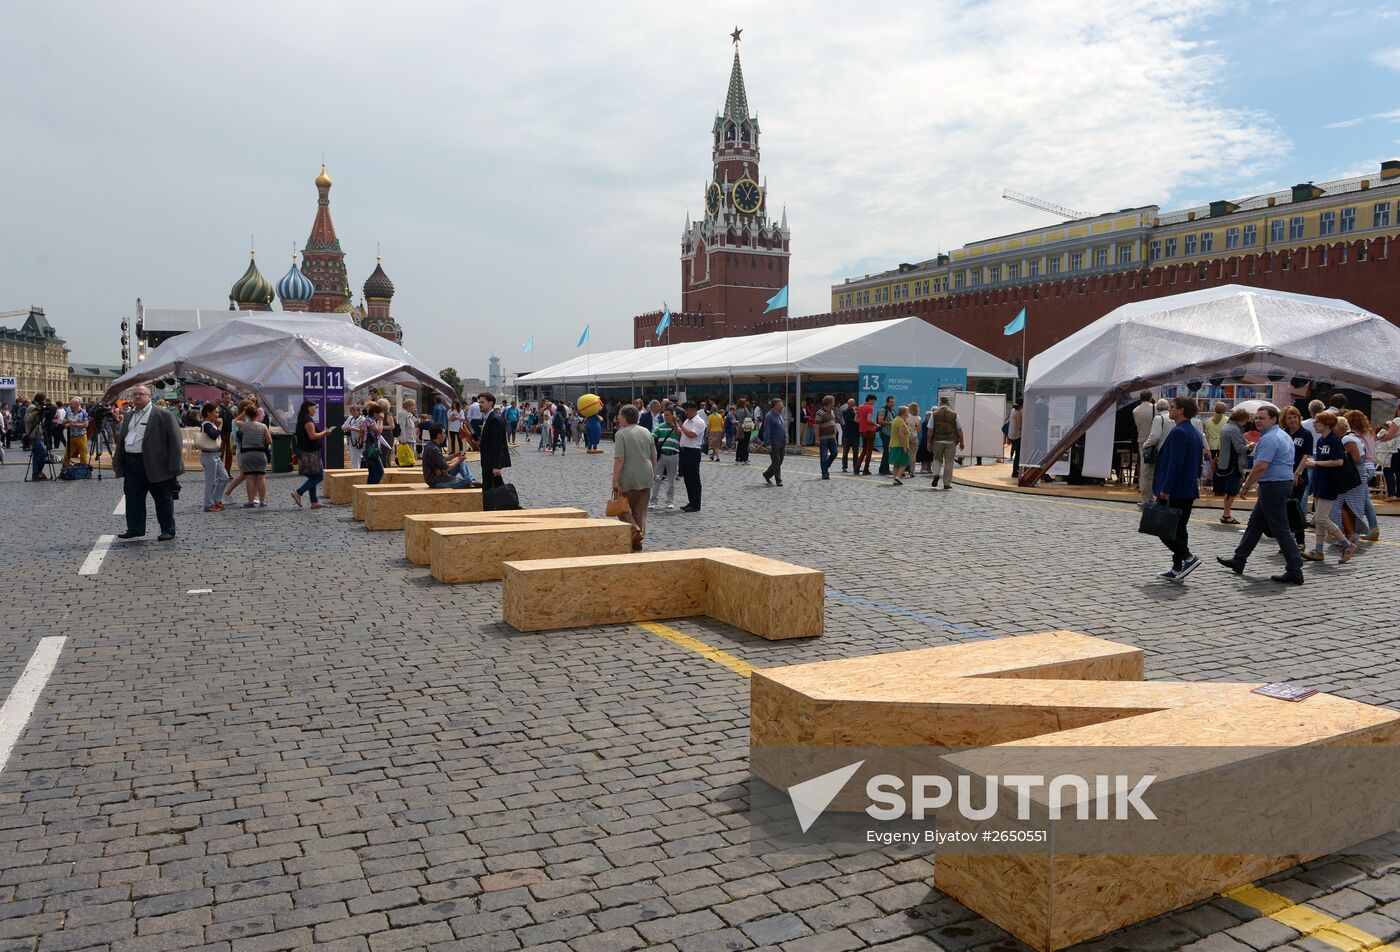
{"x": 148, "y": 458}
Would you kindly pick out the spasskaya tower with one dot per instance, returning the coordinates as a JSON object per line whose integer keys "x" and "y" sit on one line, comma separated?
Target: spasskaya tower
{"x": 736, "y": 256}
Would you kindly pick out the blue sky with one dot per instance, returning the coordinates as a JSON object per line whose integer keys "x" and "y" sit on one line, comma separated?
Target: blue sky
{"x": 528, "y": 168}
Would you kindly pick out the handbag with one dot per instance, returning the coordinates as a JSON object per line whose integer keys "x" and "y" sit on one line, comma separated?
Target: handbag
{"x": 500, "y": 497}
{"x": 1159, "y": 520}
{"x": 206, "y": 443}
{"x": 309, "y": 464}
{"x": 1149, "y": 454}
{"x": 618, "y": 506}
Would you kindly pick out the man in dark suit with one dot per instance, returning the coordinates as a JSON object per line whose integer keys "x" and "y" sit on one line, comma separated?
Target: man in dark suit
{"x": 495, "y": 453}
{"x": 148, "y": 458}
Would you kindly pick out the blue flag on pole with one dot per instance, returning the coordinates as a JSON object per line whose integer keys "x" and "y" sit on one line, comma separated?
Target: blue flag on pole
{"x": 1016, "y": 326}
{"x": 665, "y": 323}
{"x": 528, "y": 346}
{"x": 584, "y": 338}
{"x": 778, "y": 300}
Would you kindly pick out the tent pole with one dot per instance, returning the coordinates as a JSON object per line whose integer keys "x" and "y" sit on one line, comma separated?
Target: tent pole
{"x": 1032, "y": 476}
{"x": 796, "y": 411}
{"x": 731, "y": 386}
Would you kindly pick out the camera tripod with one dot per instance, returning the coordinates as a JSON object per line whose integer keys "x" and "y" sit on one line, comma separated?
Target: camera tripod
{"x": 102, "y": 440}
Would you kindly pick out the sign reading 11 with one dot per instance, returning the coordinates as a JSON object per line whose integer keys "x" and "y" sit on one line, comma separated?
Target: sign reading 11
{"x": 315, "y": 378}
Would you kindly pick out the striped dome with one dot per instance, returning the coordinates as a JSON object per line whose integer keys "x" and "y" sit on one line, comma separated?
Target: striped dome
{"x": 379, "y": 287}
{"x": 252, "y": 288}
{"x": 295, "y": 286}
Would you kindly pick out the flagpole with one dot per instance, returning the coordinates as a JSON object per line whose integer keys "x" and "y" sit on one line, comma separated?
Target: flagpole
{"x": 1023, "y": 362}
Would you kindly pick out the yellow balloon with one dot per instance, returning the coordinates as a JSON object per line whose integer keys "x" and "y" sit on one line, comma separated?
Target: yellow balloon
{"x": 590, "y": 404}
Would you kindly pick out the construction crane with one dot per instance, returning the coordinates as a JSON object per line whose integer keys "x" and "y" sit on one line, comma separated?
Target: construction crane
{"x": 1033, "y": 202}
{"x": 20, "y": 313}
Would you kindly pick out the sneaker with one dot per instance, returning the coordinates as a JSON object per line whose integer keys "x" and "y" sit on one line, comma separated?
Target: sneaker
{"x": 1170, "y": 575}
{"x": 670, "y": 506}
{"x": 250, "y": 505}
{"x": 1230, "y": 564}
{"x": 1187, "y": 567}
{"x": 262, "y": 504}
{"x": 1373, "y": 536}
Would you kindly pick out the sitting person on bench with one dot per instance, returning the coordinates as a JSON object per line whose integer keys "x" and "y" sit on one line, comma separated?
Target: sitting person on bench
{"x": 444, "y": 472}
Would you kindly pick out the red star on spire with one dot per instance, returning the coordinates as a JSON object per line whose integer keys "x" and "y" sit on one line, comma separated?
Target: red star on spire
{"x": 735, "y": 35}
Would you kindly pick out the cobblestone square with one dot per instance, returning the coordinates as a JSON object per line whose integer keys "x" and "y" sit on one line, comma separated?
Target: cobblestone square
{"x": 328, "y": 748}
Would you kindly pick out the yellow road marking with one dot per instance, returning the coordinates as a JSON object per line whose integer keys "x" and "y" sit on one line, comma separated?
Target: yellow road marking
{"x": 1307, "y": 920}
{"x": 709, "y": 652}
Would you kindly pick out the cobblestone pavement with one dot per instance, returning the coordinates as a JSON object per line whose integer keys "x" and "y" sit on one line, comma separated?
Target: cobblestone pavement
{"x": 330, "y": 748}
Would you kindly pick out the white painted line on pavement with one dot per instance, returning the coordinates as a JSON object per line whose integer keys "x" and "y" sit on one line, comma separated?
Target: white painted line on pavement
{"x": 25, "y": 694}
{"x": 93, "y": 562}
{"x": 200, "y": 591}
{"x": 121, "y": 507}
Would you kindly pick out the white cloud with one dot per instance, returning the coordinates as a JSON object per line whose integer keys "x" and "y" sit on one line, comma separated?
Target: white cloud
{"x": 1390, "y": 59}
{"x": 529, "y": 166}
{"x": 1391, "y": 116}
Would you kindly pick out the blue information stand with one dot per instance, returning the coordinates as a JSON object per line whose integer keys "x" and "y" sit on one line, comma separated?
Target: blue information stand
{"x": 909, "y": 384}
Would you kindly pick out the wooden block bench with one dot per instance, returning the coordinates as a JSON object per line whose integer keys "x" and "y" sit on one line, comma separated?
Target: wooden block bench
{"x": 385, "y": 511}
{"x": 415, "y": 527}
{"x": 475, "y": 553}
{"x": 358, "y": 493}
{"x": 771, "y": 599}
{"x": 336, "y": 487}
{"x": 1061, "y": 698}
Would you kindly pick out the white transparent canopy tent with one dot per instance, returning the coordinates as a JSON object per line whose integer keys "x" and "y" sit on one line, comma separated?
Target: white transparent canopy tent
{"x": 1232, "y": 330}
{"x": 264, "y": 354}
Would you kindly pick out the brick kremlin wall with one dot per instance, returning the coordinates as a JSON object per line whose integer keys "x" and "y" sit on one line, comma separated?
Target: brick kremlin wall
{"x": 1365, "y": 273}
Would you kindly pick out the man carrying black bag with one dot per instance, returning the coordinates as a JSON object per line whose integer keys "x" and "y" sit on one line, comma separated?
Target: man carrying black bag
{"x": 495, "y": 453}
{"x": 1176, "y": 486}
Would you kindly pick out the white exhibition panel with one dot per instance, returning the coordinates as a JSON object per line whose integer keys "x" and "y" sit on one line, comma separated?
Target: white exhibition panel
{"x": 982, "y": 416}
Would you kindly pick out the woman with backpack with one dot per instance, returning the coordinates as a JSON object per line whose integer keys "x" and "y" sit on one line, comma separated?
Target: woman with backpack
{"x": 743, "y": 428}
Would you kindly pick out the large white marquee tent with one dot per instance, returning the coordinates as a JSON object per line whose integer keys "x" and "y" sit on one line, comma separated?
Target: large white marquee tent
{"x": 839, "y": 350}
{"x": 1241, "y": 332}
{"x": 265, "y": 354}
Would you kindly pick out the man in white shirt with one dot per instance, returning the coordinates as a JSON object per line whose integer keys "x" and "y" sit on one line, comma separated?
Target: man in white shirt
{"x": 693, "y": 429}
{"x": 475, "y": 418}
{"x": 148, "y": 458}
{"x": 1157, "y": 429}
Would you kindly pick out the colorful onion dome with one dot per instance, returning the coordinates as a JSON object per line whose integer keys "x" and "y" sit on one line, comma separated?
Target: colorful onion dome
{"x": 379, "y": 287}
{"x": 295, "y": 286}
{"x": 323, "y": 180}
{"x": 346, "y": 306}
{"x": 252, "y": 288}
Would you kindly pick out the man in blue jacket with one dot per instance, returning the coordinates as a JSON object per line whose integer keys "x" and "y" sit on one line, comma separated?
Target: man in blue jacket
{"x": 1176, "y": 481}
{"x": 774, "y": 433}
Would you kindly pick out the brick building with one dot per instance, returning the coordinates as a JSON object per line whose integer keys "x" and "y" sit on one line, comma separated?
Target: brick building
{"x": 736, "y": 257}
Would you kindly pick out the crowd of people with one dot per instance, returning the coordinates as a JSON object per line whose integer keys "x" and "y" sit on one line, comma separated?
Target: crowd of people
{"x": 1330, "y": 459}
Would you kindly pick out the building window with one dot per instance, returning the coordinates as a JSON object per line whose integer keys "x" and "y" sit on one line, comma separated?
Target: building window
{"x": 1076, "y": 261}
{"x": 1207, "y": 242}
{"x": 1348, "y": 220}
{"x": 977, "y": 278}
{"x": 1154, "y": 251}
{"x": 1033, "y": 269}
{"x": 1170, "y": 250}
{"x": 1125, "y": 254}
{"x": 1327, "y": 224}
{"x": 1232, "y": 237}
{"x": 1101, "y": 258}
{"x": 1054, "y": 262}
{"x": 1380, "y": 215}
{"x": 1251, "y": 235}
{"x": 1276, "y": 230}
{"x": 1013, "y": 271}
{"x": 958, "y": 280}
{"x": 1188, "y": 245}
{"x": 994, "y": 275}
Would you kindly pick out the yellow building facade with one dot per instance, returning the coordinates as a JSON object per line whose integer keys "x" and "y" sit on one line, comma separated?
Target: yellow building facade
{"x": 35, "y": 356}
{"x": 1362, "y": 207}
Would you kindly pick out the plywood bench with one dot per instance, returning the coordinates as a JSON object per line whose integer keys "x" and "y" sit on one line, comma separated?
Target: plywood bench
{"x": 360, "y": 492}
{"x": 337, "y": 485}
{"x": 475, "y": 553}
{"x": 385, "y": 511}
{"x": 1238, "y": 782}
{"x": 415, "y": 527}
{"x": 771, "y": 599}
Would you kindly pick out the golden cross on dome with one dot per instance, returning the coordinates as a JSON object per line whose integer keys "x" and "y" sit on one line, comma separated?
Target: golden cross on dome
{"x": 735, "y": 35}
